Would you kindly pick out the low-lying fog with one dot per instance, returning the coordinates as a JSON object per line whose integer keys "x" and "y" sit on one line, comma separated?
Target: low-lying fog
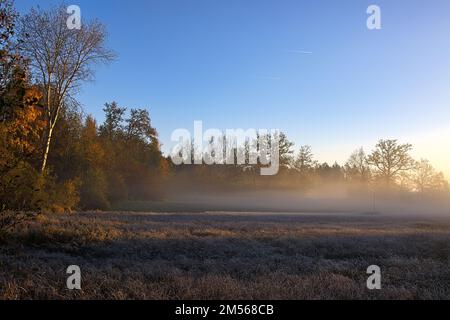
{"x": 326, "y": 202}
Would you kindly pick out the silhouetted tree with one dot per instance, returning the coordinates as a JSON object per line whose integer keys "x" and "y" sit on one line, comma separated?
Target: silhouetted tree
{"x": 286, "y": 152}
{"x": 305, "y": 162}
{"x": 426, "y": 179}
{"x": 357, "y": 167}
{"x": 390, "y": 159}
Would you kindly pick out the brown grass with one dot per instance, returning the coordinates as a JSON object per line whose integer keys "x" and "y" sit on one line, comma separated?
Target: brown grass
{"x": 227, "y": 256}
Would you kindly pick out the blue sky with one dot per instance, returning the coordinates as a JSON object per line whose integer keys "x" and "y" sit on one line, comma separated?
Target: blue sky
{"x": 309, "y": 68}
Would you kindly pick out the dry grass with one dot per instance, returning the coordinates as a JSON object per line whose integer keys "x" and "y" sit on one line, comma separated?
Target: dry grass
{"x": 227, "y": 256}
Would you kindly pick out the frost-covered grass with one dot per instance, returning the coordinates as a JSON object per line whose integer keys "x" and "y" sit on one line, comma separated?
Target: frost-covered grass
{"x": 227, "y": 256}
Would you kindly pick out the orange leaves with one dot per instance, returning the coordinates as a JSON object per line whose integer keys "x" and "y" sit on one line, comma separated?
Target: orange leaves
{"x": 32, "y": 97}
{"x": 25, "y": 129}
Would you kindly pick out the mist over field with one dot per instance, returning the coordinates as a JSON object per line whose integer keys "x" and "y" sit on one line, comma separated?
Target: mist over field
{"x": 330, "y": 201}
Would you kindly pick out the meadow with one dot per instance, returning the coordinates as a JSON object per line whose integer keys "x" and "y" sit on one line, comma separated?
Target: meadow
{"x": 227, "y": 255}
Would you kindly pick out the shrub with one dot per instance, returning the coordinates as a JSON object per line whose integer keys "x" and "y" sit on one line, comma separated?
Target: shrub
{"x": 65, "y": 197}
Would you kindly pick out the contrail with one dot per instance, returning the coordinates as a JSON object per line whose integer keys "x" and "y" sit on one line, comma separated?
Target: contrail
{"x": 300, "y": 51}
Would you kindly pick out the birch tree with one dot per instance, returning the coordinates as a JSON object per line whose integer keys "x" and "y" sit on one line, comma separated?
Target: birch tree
{"x": 61, "y": 59}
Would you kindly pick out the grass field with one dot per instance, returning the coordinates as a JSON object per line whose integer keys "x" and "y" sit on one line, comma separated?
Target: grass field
{"x": 227, "y": 256}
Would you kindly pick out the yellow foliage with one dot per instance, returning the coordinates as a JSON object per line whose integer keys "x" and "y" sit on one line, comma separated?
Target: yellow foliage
{"x": 23, "y": 131}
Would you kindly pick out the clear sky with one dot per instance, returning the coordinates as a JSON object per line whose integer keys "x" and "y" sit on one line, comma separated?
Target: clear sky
{"x": 310, "y": 68}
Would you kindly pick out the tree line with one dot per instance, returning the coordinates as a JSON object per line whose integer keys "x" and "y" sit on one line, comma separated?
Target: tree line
{"x": 389, "y": 168}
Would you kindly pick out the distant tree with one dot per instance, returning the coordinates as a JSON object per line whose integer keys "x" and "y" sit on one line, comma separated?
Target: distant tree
{"x": 114, "y": 118}
{"x": 139, "y": 126}
{"x": 286, "y": 152}
{"x": 337, "y": 172}
{"x": 60, "y": 59}
{"x": 426, "y": 179}
{"x": 390, "y": 159}
{"x": 284, "y": 147}
{"x": 357, "y": 167}
{"x": 305, "y": 160}
{"x": 332, "y": 173}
